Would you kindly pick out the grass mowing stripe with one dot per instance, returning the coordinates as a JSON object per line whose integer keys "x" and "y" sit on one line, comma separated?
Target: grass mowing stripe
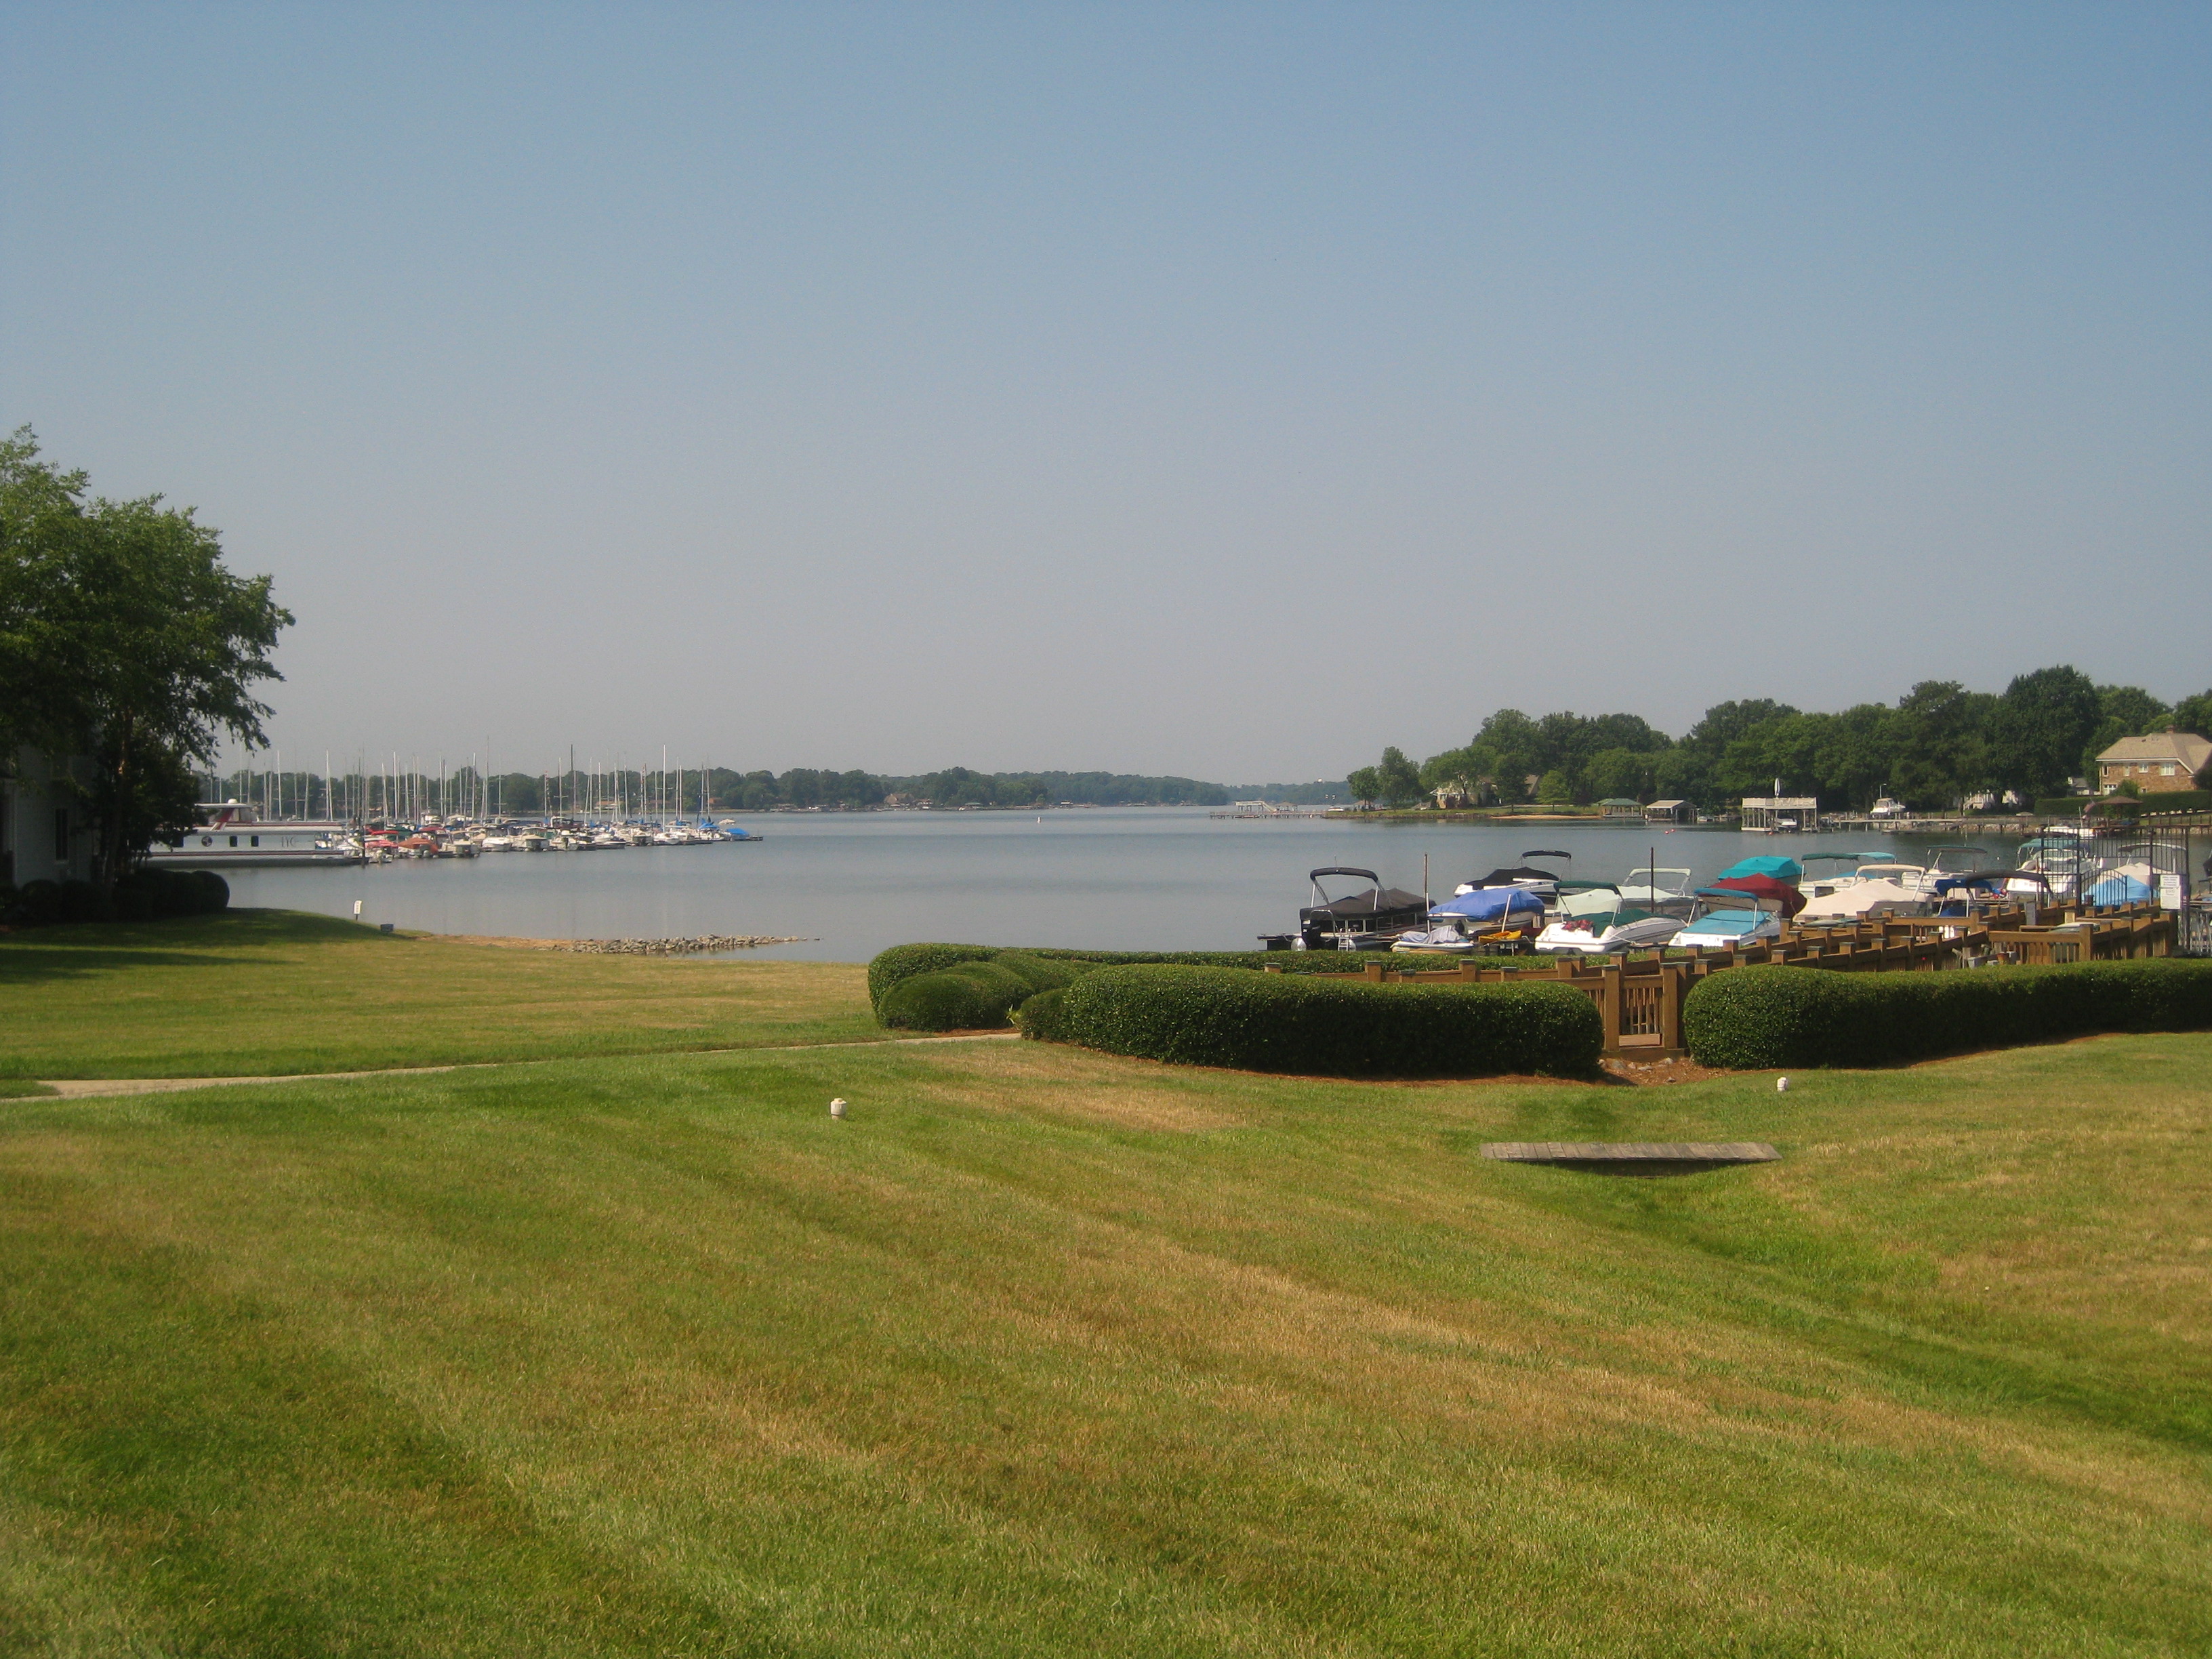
{"x": 1043, "y": 1352}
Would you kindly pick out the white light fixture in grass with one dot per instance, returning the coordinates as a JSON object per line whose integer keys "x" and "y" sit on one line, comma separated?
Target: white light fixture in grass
{"x": 837, "y": 1107}
{"x": 1782, "y": 1086}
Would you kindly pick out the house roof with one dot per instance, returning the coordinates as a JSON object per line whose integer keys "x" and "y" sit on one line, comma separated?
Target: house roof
{"x": 1656, "y": 804}
{"x": 2191, "y": 751}
{"x": 1619, "y": 801}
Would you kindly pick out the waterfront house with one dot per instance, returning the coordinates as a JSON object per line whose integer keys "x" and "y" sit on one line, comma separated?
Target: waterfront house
{"x": 2156, "y": 764}
{"x": 43, "y": 835}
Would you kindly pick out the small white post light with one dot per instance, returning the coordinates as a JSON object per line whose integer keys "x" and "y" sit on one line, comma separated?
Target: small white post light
{"x": 356, "y": 909}
{"x": 837, "y": 1107}
{"x": 1782, "y": 1086}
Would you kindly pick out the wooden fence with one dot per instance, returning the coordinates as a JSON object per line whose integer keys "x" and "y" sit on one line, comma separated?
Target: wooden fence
{"x": 1641, "y": 1001}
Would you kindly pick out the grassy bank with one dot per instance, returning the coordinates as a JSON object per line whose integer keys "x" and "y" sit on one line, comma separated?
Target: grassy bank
{"x": 250, "y": 993}
{"x": 1045, "y": 1352}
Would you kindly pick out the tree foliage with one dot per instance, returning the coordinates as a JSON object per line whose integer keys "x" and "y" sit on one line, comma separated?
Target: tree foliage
{"x": 1940, "y": 744}
{"x": 125, "y": 642}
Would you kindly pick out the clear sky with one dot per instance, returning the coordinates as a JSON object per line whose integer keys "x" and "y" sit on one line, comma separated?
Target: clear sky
{"x": 1210, "y": 389}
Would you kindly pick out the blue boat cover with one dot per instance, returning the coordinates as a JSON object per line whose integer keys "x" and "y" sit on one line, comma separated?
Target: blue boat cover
{"x": 1774, "y": 864}
{"x": 1488, "y": 904}
{"x": 2117, "y": 889}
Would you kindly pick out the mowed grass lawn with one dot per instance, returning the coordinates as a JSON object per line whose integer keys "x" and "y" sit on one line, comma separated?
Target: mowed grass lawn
{"x": 257, "y": 992}
{"x": 1050, "y": 1352}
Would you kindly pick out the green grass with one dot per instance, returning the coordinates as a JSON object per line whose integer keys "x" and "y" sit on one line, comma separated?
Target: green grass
{"x": 260, "y": 993}
{"x": 1045, "y": 1352}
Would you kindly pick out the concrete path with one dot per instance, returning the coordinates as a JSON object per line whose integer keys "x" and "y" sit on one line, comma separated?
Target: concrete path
{"x": 91, "y": 1088}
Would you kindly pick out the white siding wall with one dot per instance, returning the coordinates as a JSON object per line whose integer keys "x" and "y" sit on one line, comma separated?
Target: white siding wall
{"x": 29, "y": 805}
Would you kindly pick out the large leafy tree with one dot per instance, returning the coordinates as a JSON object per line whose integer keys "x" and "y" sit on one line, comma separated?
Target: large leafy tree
{"x": 126, "y": 642}
{"x": 2041, "y": 729}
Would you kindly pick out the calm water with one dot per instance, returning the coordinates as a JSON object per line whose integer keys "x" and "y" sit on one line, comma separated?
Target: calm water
{"x": 1134, "y": 878}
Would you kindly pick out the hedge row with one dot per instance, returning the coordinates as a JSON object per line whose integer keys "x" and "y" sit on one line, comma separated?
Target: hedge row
{"x": 970, "y": 995}
{"x": 903, "y": 962}
{"x": 1306, "y": 1025}
{"x": 143, "y": 895}
{"x": 1750, "y": 1018}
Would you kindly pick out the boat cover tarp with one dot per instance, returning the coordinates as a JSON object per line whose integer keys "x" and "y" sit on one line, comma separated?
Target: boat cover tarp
{"x": 2118, "y": 888}
{"x": 1370, "y": 903}
{"x": 1489, "y": 904}
{"x": 1766, "y": 887}
{"x": 1862, "y": 899}
{"x": 1518, "y": 873}
{"x": 1766, "y": 864}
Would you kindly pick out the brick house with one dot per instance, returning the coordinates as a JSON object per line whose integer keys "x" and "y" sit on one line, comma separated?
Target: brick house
{"x": 2162, "y": 762}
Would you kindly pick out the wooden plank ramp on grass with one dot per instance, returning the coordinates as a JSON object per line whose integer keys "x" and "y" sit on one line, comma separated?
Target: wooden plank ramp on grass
{"x": 1649, "y": 1157}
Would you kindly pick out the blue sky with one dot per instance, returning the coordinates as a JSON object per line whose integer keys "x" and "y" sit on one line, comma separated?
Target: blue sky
{"x": 1220, "y": 390}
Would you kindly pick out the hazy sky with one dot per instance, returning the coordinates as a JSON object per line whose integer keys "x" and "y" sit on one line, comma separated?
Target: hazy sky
{"x": 1220, "y": 390}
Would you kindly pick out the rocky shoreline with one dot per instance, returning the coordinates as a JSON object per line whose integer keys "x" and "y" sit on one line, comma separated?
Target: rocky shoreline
{"x": 676, "y": 947}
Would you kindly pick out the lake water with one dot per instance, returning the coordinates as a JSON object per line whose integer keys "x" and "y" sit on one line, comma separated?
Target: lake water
{"x": 1128, "y": 879}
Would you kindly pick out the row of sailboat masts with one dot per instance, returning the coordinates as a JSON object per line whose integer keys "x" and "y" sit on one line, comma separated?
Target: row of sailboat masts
{"x": 387, "y": 790}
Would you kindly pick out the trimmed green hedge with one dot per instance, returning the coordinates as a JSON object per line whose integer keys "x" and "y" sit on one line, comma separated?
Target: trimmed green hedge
{"x": 1751, "y": 1018}
{"x": 1044, "y": 1016}
{"x": 1294, "y": 1023}
{"x": 974, "y": 996}
{"x": 904, "y": 962}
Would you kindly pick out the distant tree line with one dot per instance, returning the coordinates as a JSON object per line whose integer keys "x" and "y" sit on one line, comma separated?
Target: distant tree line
{"x": 1936, "y": 746}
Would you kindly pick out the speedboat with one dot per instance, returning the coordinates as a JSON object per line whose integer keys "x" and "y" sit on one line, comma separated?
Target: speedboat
{"x": 1608, "y": 932}
{"x": 1368, "y": 921}
{"x": 1445, "y": 939}
{"x": 1728, "y": 917}
{"x": 1659, "y": 889}
{"x": 1493, "y": 916}
{"x": 1545, "y": 884}
{"x": 1862, "y": 896}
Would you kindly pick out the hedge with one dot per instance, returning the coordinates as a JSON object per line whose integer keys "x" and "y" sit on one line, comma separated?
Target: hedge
{"x": 903, "y": 962}
{"x": 1751, "y": 1018}
{"x": 972, "y": 996}
{"x": 1199, "y": 1015}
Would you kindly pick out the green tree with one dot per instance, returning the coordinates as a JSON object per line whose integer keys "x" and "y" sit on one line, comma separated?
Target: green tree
{"x": 2194, "y": 715}
{"x": 1399, "y": 779}
{"x": 1365, "y": 784}
{"x": 2122, "y": 711}
{"x": 2041, "y": 730}
{"x": 131, "y": 642}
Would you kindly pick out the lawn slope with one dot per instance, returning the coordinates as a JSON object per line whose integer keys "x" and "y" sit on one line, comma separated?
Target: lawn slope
{"x": 1044, "y": 1352}
{"x": 258, "y": 993}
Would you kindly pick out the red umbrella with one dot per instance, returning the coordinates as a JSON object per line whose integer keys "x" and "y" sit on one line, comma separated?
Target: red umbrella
{"x": 1766, "y": 887}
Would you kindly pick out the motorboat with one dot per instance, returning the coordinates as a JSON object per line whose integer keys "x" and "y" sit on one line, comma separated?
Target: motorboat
{"x": 1820, "y": 885}
{"x": 1658, "y": 888}
{"x": 1545, "y": 884}
{"x": 1729, "y": 917}
{"x": 1608, "y": 932}
{"x": 1765, "y": 864}
{"x": 1445, "y": 940}
{"x": 1863, "y": 897}
{"x": 1493, "y": 916}
{"x": 1368, "y": 921}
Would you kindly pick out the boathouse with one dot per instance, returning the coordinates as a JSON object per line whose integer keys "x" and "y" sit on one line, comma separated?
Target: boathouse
{"x": 1771, "y": 812}
{"x": 1621, "y": 807}
{"x": 1670, "y": 811}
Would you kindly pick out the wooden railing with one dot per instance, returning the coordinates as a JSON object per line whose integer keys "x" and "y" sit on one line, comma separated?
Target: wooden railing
{"x": 1640, "y": 1000}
